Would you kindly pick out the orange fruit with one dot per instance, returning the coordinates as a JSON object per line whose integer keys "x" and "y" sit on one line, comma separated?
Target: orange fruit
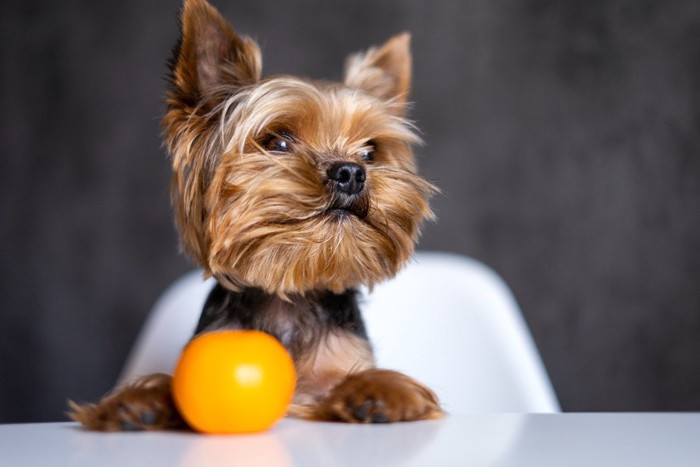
{"x": 233, "y": 382}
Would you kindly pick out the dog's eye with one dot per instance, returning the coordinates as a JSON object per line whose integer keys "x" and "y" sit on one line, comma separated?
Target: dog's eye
{"x": 367, "y": 153}
{"x": 278, "y": 142}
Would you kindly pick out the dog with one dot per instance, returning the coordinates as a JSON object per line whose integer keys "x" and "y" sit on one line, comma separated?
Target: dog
{"x": 292, "y": 194}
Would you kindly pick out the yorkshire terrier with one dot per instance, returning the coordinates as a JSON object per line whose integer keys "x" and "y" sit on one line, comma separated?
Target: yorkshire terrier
{"x": 292, "y": 193}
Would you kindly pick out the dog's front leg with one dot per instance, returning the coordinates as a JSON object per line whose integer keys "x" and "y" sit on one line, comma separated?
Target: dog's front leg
{"x": 143, "y": 404}
{"x": 338, "y": 381}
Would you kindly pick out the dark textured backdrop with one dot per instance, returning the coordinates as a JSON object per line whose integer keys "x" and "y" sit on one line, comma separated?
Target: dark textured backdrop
{"x": 564, "y": 134}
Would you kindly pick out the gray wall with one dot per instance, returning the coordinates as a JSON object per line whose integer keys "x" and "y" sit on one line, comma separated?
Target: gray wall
{"x": 565, "y": 137}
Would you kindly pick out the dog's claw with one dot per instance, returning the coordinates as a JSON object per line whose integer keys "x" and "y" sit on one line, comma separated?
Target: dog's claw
{"x": 127, "y": 425}
{"x": 361, "y": 412}
{"x": 148, "y": 418}
{"x": 380, "y": 418}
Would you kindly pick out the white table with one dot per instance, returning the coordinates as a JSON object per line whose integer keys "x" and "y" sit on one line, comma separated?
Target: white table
{"x": 597, "y": 440}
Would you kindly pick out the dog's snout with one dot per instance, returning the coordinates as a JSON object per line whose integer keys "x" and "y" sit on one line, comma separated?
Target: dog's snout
{"x": 347, "y": 177}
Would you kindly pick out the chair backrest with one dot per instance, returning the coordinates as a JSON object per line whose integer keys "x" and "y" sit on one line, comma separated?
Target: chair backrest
{"x": 445, "y": 320}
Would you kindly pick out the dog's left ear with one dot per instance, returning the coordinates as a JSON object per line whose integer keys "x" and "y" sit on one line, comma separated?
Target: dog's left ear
{"x": 383, "y": 72}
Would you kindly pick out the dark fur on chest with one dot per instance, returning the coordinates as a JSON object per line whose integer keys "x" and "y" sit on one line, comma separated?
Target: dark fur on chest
{"x": 299, "y": 323}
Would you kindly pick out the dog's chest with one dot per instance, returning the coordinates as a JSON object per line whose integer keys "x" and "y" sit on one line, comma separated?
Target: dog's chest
{"x": 299, "y": 322}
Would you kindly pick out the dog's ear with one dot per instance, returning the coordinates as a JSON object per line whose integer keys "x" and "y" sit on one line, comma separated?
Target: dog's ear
{"x": 383, "y": 72}
{"x": 210, "y": 56}
{"x": 210, "y": 62}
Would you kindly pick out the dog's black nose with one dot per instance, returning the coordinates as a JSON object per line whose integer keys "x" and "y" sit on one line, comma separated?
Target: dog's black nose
{"x": 348, "y": 177}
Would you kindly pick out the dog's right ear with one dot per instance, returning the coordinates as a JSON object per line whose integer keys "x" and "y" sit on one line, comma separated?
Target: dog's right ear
{"x": 210, "y": 59}
{"x": 210, "y": 63}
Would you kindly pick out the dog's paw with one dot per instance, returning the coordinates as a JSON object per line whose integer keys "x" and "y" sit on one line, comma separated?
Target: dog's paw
{"x": 378, "y": 396}
{"x": 144, "y": 404}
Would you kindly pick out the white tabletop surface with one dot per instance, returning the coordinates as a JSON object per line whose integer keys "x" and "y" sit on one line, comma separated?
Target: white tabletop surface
{"x": 460, "y": 440}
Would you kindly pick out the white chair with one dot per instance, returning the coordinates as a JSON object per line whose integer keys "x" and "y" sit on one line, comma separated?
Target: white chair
{"x": 445, "y": 320}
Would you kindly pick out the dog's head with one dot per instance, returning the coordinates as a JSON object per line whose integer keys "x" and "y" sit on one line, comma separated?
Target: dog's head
{"x": 284, "y": 183}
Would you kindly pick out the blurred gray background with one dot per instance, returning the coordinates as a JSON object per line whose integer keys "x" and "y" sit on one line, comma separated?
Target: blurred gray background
{"x": 565, "y": 136}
